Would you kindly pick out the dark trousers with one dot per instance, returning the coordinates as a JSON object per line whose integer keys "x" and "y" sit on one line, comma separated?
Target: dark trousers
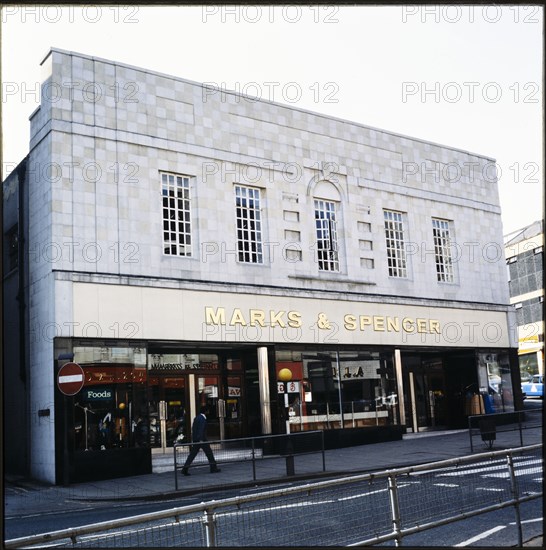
{"x": 206, "y": 449}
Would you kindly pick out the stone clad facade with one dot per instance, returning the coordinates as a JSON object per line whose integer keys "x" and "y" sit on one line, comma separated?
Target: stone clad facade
{"x": 108, "y": 151}
{"x": 101, "y": 141}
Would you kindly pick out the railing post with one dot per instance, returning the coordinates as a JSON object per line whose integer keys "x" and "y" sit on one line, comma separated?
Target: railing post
{"x": 470, "y": 433}
{"x": 175, "y": 469}
{"x": 520, "y": 430}
{"x": 515, "y": 495}
{"x": 253, "y": 459}
{"x": 210, "y": 527}
{"x": 289, "y": 449}
{"x": 395, "y": 509}
{"x": 323, "y": 454}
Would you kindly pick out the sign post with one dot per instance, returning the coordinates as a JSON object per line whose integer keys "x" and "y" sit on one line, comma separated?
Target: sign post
{"x": 284, "y": 375}
{"x": 70, "y": 380}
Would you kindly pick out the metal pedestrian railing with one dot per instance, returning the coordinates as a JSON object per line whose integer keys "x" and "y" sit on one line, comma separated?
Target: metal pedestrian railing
{"x": 284, "y": 449}
{"x": 489, "y": 426}
{"x": 358, "y": 510}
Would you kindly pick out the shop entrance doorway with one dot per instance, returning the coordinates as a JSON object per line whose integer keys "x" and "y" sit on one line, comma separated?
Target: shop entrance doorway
{"x": 208, "y": 394}
{"x": 425, "y": 392}
{"x": 168, "y": 410}
{"x": 179, "y": 384}
{"x": 223, "y": 396}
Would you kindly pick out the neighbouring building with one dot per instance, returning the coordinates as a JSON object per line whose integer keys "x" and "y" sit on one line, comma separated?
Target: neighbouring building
{"x": 524, "y": 251}
{"x": 184, "y": 244}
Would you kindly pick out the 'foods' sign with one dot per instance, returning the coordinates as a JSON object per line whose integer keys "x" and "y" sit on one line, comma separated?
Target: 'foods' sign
{"x": 99, "y": 394}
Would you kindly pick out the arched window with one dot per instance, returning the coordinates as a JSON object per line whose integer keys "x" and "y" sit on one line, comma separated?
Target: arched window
{"x": 326, "y": 231}
{"x": 326, "y": 199}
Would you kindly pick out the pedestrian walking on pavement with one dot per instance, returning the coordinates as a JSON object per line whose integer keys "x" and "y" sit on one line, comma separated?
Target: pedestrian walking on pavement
{"x": 199, "y": 439}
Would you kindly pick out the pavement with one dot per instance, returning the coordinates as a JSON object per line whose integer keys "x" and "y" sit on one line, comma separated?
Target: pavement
{"x": 28, "y": 497}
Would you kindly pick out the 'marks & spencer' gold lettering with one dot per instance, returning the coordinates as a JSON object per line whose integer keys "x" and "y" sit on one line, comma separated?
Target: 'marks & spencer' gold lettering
{"x": 253, "y": 317}
{"x": 293, "y": 319}
{"x": 379, "y": 323}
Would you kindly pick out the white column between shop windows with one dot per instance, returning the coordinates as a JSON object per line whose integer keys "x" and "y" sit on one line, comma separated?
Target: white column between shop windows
{"x": 193, "y": 407}
{"x": 263, "y": 378}
{"x": 400, "y": 385}
{"x": 339, "y": 395}
{"x": 413, "y": 403}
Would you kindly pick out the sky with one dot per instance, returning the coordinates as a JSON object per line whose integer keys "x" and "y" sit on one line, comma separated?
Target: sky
{"x": 465, "y": 76}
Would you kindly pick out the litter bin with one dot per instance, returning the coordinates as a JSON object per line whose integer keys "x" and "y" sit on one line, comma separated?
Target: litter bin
{"x": 488, "y": 431}
{"x": 290, "y": 469}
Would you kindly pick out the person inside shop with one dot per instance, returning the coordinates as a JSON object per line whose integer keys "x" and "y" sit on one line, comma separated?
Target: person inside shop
{"x": 199, "y": 439}
{"x": 295, "y": 406}
{"x": 180, "y": 428}
{"x": 171, "y": 429}
{"x": 105, "y": 432}
{"x": 141, "y": 432}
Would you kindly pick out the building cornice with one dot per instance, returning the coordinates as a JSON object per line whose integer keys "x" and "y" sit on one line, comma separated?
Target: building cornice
{"x": 269, "y": 290}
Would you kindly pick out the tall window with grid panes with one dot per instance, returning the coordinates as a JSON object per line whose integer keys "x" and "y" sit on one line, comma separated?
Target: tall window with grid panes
{"x": 175, "y": 192}
{"x": 326, "y": 233}
{"x": 442, "y": 250}
{"x": 394, "y": 235}
{"x": 249, "y": 224}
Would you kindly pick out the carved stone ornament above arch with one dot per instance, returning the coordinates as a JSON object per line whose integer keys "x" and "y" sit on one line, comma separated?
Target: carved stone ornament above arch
{"x": 325, "y": 185}
{"x": 325, "y": 190}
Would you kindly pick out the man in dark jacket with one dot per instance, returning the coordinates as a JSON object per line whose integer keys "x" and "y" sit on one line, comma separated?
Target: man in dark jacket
{"x": 199, "y": 439}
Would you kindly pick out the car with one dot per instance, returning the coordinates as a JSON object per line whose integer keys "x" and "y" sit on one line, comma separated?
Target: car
{"x": 534, "y": 387}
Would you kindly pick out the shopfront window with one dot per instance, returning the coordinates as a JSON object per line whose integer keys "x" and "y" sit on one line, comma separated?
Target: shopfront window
{"x": 495, "y": 381}
{"x": 233, "y": 401}
{"x": 329, "y": 390}
{"x": 367, "y": 389}
{"x": 110, "y": 411}
{"x": 171, "y": 377}
{"x": 528, "y": 365}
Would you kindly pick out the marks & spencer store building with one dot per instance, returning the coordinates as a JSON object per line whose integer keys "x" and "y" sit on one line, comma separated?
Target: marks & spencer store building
{"x": 248, "y": 238}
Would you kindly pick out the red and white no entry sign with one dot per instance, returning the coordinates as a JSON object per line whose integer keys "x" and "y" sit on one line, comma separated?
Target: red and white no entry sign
{"x": 70, "y": 379}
